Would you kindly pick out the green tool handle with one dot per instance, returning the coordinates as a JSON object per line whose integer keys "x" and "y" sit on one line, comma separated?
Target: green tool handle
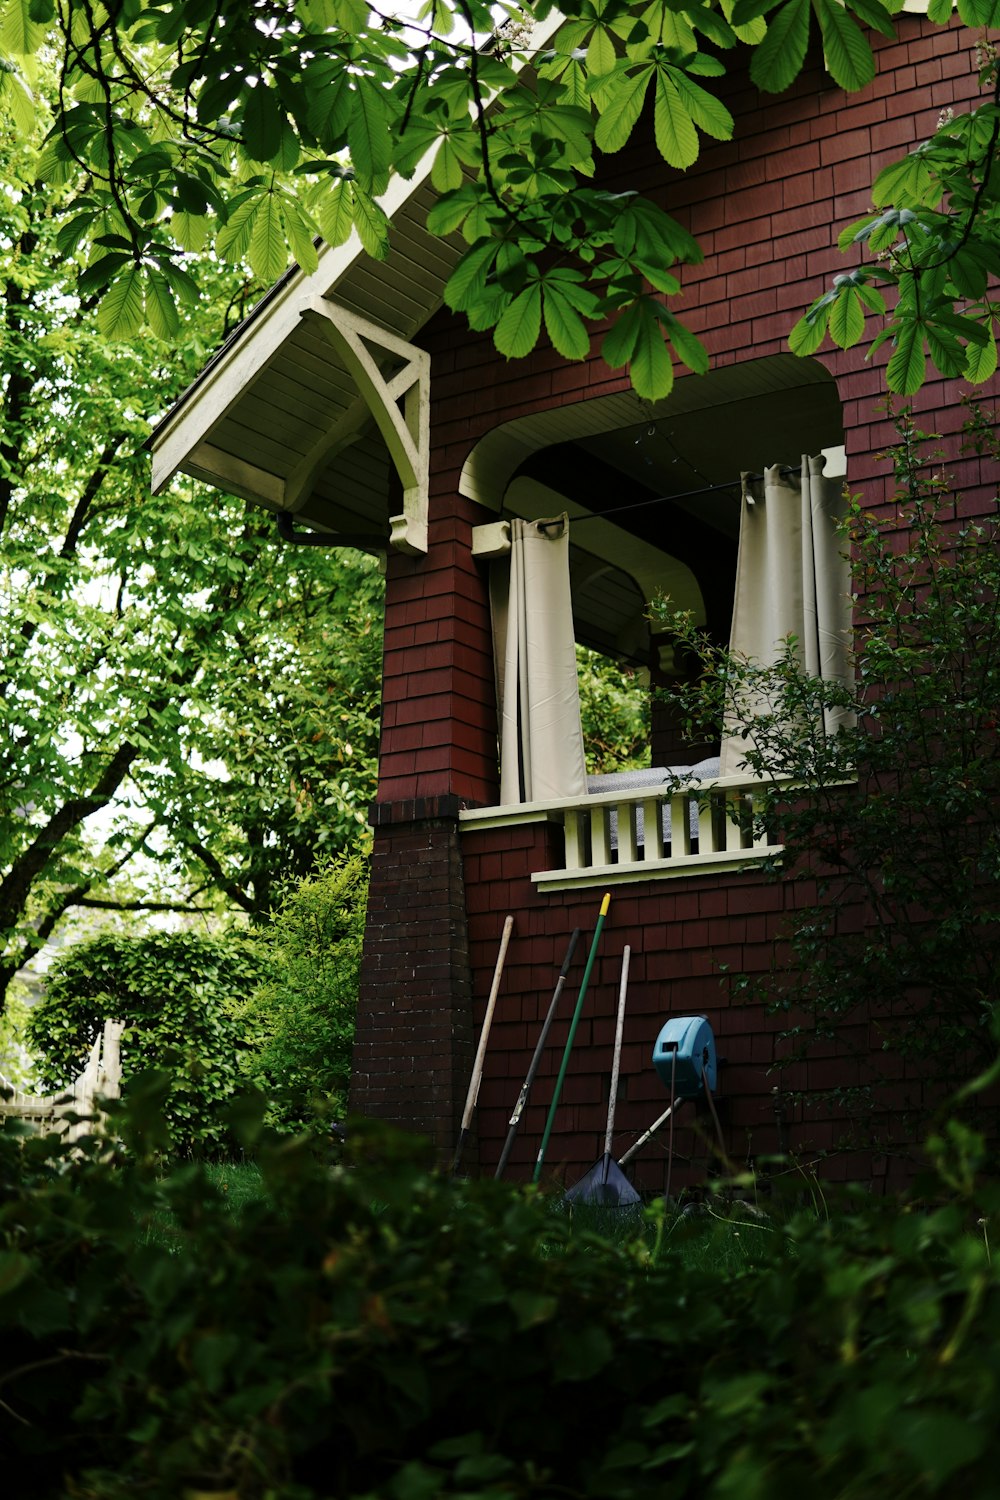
{"x": 569, "y": 1040}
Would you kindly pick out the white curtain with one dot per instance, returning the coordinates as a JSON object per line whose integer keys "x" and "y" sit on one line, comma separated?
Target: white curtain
{"x": 792, "y": 578}
{"x": 541, "y": 741}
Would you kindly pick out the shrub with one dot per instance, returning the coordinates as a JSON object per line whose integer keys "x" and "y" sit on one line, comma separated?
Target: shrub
{"x": 175, "y": 991}
{"x": 384, "y": 1332}
{"x": 892, "y": 823}
{"x": 299, "y": 1025}
{"x": 614, "y": 713}
{"x": 16, "y": 1063}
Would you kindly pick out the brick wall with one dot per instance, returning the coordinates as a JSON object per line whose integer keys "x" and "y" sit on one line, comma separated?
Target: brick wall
{"x": 766, "y": 208}
{"x": 413, "y": 1048}
{"x": 690, "y": 939}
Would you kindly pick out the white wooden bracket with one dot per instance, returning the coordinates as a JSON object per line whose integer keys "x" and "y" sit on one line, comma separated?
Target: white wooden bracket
{"x": 399, "y": 406}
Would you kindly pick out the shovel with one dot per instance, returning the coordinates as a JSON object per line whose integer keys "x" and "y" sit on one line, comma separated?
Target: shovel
{"x": 606, "y": 1183}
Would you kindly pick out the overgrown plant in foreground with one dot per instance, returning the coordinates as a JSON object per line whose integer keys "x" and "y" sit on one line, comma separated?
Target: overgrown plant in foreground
{"x": 385, "y": 1332}
{"x": 896, "y": 818}
{"x": 298, "y": 1026}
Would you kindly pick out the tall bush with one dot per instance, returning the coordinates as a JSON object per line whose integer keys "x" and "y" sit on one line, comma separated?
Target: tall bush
{"x": 176, "y": 992}
{"x": 299, "y": 1025}
{"x": 896, "y": 820}
{"x": 382, "y": 1332}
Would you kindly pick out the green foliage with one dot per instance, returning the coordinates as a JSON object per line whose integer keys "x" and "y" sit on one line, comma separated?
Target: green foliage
{"x": 263, "y": 126}
{"x": 299, "y": 1025}
{"x": 149, "y": 645}
{"x": 254, "y": 805}
{"x": 16, "y": 1063}
{"x": 896, "y": 818}
{"x": 614, "y": 714}
{"x": 176, "y": 992}
{"x": 381, "y": 1331}
{"x": 935, "y": 243}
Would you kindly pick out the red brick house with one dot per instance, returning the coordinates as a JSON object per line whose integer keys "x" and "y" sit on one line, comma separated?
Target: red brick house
{"x": 354, "y": 402}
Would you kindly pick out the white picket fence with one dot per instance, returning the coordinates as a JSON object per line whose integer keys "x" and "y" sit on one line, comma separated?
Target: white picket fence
{"x": 101, "y": 1078}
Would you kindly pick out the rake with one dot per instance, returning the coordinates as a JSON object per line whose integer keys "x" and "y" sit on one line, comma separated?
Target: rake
{"x": 523, "y": 1096}
{"x": 606, "y": 1183}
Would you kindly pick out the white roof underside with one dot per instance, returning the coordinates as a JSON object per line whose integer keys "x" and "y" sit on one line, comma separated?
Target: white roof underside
{"x": 277, "y": 389}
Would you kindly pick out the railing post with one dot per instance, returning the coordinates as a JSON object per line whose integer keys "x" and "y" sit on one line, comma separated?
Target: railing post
{"x": 706, "y": 825}
{"x": 600, "y": 834}
{"x": 574, "y": 858}
{"x": 680, "y": 824}
{"x": 758, "y": 836}
{"x": 733, "y": 805}
{"x": 652, "y": 828}
{"x": 628, "y": 838}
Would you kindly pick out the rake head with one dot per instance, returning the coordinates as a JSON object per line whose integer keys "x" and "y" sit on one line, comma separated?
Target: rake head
{"x": 605, "y": 1183}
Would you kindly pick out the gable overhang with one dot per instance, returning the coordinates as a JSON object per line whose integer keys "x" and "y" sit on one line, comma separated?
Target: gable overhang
{"x": 318, "y": 404}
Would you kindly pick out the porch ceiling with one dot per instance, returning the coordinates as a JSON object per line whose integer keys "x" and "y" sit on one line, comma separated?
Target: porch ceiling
{"x": 709, "y": 429}
{"x": 632, "y": 476}
{"x": 265, "y": 410}
{"x": 260, "y": 417}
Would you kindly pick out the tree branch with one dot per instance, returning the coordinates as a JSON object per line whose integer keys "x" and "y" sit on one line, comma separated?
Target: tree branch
{"x": 16, "y": 886}
{"x": 81, "y": 513}
{"x": 74, "y": 896}
{"x": 18, "y": 390}
{"x": 96, "y": 903}
{"x": 90, "y": 492}
{"x": 219, "y": 876}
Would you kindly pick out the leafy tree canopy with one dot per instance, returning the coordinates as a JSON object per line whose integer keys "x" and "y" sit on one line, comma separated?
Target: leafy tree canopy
{"x": 177, "y": 691}
{"x": 258, "y": 125}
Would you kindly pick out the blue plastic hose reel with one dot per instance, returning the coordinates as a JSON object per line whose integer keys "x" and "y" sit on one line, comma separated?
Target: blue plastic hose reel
{"x": 684, "y": 1050}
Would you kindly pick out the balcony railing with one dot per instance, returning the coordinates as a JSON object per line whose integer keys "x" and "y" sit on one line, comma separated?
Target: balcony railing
{"x": 646, "y": 833}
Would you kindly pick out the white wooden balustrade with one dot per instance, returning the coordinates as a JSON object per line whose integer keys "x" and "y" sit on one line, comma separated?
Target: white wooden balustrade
{"x": 645, "y": 833}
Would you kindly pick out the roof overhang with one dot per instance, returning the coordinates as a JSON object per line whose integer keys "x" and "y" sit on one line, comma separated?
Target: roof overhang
{"x": 317, "y": 406}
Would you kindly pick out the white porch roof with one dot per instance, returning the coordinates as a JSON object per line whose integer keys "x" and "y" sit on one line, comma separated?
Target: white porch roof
{"x": 318, "y": 394}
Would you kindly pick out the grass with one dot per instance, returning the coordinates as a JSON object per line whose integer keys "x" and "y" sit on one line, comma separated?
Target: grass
{"x": 239, "y": 1180}
{"x": 240, "y": 1183}
{"x": 724, "y": 1237}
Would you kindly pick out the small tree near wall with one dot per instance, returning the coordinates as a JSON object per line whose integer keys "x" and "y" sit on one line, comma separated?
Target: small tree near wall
{"x": 299, "y": 1025}
{"x": 894, "y": 820}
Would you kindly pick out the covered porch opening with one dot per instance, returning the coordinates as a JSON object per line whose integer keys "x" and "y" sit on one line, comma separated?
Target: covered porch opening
{"x": 654, "y": 502}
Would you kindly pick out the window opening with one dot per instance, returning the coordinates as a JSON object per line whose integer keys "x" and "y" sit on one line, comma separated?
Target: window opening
{"x": 614, "y": 713}
{"x": 654, "y": 508}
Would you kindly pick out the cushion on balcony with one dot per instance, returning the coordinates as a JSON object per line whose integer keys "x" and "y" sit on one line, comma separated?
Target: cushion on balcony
{"x": 653, "y": 776}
